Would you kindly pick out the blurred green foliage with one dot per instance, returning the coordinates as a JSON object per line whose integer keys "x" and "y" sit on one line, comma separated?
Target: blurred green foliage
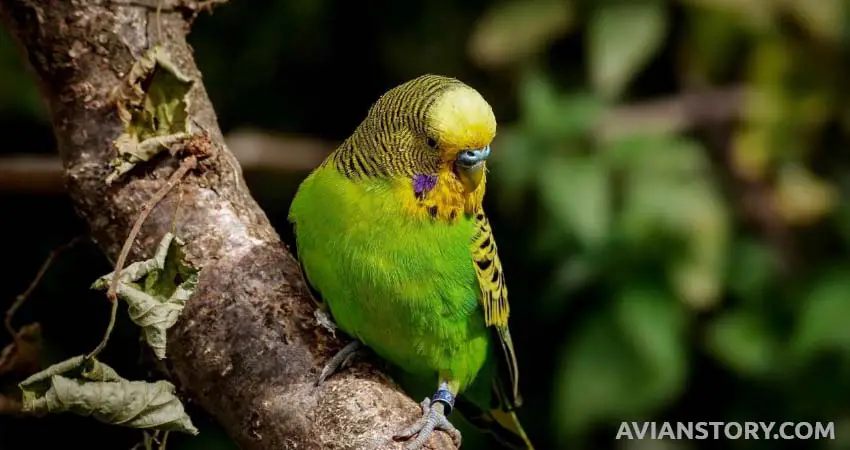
{"x": 665, "y": 262}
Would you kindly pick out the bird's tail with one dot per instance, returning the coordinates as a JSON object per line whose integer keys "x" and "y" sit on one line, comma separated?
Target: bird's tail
{"x": 501, "y": 426}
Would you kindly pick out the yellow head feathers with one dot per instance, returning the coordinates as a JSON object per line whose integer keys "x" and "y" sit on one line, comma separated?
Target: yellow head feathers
{"x": 460, "y": 119}
{"x": 431, "y": 136}
{"x": 434, "y": 117}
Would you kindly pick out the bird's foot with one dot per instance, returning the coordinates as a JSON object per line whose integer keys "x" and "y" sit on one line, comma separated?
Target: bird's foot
{"x": 341, "y": 360}
{"x": 432, "y": 419}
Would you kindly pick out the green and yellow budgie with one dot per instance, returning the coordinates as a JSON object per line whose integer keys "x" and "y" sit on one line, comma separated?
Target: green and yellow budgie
{"x": 392, "y": 237}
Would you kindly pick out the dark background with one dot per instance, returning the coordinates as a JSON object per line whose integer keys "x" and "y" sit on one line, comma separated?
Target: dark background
{"x": 674, "y": 250}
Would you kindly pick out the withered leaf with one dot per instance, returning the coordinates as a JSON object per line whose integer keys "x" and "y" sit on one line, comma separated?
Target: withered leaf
{"x": 156, "y": 290}
{"x": 88, "y": 387}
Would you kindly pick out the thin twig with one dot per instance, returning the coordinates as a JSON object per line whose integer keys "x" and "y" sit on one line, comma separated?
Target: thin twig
{"x": 164, "y": 440}
{"x": 19, "y": 301}
{"x": 113, "y": 314}
{"x": 159, "y": 21}
{"x": 176, "y": 211}
{"x": 188, "y": 163}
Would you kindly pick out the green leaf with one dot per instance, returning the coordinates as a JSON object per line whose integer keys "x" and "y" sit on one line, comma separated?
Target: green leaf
{"x": 578, "y": 112}
{"x": 742, "y": 341}
{"x": 515, "y": 30}
{"x": 551, "y": 117}
{"x": 626, "y": 362}
{"x": 153, "y": 106}
{"x": 656, "y": 155}
{"x": 697, "y": 273}
{"x": 621, "y": 39}
{"x": 91, "y": 388}
{"x": 751, "y": 269}
{"x": 823, "y": 315}
{"x": 669, "y": 191}
{"x": 538, "y": 101}
{"x": 576, "y": 191}
{"x": 593, "y": 376}
{"x": 151, "y": 290}
{"x": 823, "y": 19}
{"x": 653, "y": 322}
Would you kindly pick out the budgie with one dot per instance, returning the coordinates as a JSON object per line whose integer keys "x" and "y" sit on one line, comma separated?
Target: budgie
{"x": 393, "y": 240}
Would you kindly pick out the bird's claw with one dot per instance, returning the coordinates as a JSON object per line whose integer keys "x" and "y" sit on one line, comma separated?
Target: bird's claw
{"x": 341, "y": 360}
{"x": 432, "y": 419}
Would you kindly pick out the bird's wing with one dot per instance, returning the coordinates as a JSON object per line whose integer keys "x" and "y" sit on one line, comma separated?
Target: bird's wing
{"x": 494, "y": 301}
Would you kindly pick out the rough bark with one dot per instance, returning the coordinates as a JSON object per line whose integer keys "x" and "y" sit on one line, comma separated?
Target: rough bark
{"x": 247, "y": 347}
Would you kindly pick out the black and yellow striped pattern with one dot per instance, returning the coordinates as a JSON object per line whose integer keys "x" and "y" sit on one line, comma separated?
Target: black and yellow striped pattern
{"x": 393, "y": 140}
{"x": 494, "y": 300}
{"x": 490, "y": 274}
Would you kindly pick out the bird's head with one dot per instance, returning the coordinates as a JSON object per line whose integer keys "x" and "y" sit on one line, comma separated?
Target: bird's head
{"x": 434, "y": 124}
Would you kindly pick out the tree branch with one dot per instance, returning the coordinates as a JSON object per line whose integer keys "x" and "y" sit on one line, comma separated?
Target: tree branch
{"x": 675, "y": 114}
{"x": 35, "y": 174}
{"x": 247, "y": 347}
{"x": 256, "y": 151}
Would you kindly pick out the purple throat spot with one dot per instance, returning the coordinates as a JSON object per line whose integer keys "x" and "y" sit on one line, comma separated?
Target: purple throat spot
{"x": 422, "y": 183}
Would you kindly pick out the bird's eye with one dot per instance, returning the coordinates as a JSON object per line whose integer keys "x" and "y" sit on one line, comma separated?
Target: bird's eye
{"x": 431, "y": 142}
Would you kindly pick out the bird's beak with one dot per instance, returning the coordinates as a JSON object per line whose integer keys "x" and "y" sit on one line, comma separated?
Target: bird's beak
{"x": 470, "y": 167}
